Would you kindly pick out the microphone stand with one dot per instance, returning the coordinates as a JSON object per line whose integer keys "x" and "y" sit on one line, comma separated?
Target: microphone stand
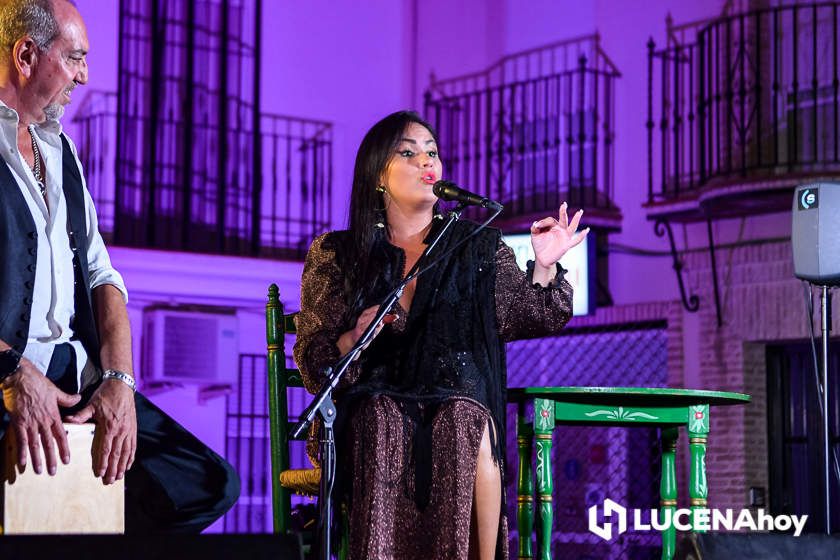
{"x": 324, "y": 406}
{"x": 826, "y": 330}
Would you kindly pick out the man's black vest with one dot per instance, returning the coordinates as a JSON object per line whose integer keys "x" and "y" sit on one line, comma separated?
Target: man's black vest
{"x": 19, "y": 247}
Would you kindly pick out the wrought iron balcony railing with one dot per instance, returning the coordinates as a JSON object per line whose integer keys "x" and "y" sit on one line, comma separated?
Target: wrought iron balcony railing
{"x": 750, "y": 98}
{"x": 534, "y": 129}
{"x": 274, "y": 212}
{"x": 96, "y": 141}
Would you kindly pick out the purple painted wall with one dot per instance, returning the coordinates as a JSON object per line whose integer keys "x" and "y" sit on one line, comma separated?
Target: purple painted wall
{"x": 340, "y": 62}
{"x": 102, "y": 19}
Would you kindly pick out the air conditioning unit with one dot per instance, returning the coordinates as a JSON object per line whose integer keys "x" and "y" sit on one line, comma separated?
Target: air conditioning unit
{"x": 190, "y": 347}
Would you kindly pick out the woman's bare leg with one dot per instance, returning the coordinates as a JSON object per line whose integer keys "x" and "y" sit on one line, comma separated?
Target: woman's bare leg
{"x": 487, "y": 503}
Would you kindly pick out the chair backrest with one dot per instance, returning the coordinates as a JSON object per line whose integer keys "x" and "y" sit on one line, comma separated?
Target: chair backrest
{"x": 277, "y": 325}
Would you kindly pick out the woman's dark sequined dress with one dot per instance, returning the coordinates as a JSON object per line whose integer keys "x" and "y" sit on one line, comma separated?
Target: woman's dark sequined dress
{"x": 385, "y": 519}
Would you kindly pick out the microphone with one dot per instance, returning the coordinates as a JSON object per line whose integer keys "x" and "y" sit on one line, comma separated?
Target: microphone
{"x": 447, "y": 190}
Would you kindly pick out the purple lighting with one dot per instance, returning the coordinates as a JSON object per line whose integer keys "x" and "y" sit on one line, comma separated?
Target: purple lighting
{"x": 218, "y": 139}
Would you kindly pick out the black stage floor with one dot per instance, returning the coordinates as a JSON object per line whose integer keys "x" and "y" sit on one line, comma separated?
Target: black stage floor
{"x": 150, "y": 547}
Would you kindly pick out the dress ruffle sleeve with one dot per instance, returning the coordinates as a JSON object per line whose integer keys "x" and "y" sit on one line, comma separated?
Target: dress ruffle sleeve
{"x": 321, "y": 317}
{"x": 525, "y": 309}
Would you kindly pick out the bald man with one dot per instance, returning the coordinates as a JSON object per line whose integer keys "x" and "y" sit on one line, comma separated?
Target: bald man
{"x": 65, "y": 341}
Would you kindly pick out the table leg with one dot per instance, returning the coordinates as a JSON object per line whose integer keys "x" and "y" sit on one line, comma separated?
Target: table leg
{"x": 668, "y": 490}
{"x": 525, "y": 483}
{"x": 698, "y": 431}
{"x": 543, "y": 429}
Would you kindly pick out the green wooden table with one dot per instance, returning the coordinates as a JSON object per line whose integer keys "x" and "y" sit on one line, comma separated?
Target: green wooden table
{"x": 610, "y": 406}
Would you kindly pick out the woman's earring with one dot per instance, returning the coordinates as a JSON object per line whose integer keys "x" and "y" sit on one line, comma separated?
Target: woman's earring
{"x": 380, "y": 219}
{"x": 380, "y": 212}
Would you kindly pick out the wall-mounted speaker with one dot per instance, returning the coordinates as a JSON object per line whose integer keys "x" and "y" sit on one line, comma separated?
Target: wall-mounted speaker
{"x": 816, "y": 233}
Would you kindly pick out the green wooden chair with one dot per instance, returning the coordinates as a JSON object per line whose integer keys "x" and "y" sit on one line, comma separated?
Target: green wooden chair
{"x": 284, "y": 480}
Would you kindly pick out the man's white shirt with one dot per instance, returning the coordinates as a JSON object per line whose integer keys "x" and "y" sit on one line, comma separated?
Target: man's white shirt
{"x": 52, "y": 300}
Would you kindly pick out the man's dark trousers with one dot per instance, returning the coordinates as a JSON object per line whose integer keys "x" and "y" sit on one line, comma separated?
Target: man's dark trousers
{"x": 177, "y": 484}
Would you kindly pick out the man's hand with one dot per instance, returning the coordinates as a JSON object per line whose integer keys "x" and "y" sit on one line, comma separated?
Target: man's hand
{"x": 32, "y": 402}
{"x": 115, "y": 437}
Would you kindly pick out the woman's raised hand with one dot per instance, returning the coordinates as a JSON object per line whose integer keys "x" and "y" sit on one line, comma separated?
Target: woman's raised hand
{"x": 553, "y": 237}
{"x": 348, "y": 339}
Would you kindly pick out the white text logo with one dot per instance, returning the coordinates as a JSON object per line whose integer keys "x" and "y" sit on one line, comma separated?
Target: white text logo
{"x": 687, "y": 519}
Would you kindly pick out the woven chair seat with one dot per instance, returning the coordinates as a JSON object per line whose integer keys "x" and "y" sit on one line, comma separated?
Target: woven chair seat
{"x": 301, "y": 481}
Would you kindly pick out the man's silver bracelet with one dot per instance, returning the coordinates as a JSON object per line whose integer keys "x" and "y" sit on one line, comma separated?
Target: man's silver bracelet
{"x": 122, "y": 376}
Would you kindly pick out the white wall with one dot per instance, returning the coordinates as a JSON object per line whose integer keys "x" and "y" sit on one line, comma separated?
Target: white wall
{"x": 625, "y": 29}
{"x": 157, "y": 278}
{"x": 182, "y": 279}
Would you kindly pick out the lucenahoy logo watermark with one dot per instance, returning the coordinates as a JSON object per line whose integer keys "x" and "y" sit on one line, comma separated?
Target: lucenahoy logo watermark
{"x": 686, "y": 519}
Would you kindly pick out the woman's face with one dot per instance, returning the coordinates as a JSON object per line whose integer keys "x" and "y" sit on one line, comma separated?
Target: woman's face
{"x": 412, "y": 170}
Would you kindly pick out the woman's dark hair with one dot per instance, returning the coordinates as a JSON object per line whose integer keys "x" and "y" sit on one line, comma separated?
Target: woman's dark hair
{"x": 366, "y": 202}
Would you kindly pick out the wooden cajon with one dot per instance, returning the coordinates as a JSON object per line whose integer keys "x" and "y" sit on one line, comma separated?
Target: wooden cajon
{"x": 73, "y": 501}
